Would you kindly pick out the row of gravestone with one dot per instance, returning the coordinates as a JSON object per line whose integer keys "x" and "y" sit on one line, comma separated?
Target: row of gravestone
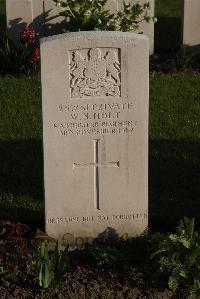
{"x": 44, "y": 15}
{"x": 95, "y": 94}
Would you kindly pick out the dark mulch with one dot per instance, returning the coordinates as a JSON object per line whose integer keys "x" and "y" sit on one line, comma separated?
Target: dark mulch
{"x": 83, "y": 283}
{"x": 18, "y": 280}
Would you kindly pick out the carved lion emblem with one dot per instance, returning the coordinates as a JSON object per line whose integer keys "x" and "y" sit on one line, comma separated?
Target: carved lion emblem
{"x": 96, "y": 74}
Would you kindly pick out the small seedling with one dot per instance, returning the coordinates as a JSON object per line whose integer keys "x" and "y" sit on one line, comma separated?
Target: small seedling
{"x": 50, "y": 266}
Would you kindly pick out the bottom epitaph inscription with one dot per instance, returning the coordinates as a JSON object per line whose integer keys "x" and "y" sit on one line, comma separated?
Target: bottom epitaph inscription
{"x": 100, "y": 218}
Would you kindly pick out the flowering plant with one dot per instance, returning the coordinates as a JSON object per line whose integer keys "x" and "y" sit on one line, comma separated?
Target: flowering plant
{"x": 23, "y": 57}
{"x": 29, "y": 35}
{"x": 29, "y": 38}
{"x": 88, "y": 15}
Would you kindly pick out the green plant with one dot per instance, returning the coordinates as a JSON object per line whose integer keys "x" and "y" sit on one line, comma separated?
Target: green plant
{"x": 179, "y": 258}
{"x": 106, "y": 257}
{"x": 3, "y": 273}
{"x": 50, "y": 266}
{"x": 6, "y": 274}
{"x": 88, "y": 15}
{"x": 182, "y": 61}
{"x": 136, "y": 275}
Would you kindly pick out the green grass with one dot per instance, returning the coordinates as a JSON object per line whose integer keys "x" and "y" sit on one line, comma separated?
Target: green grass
{"x": 168, "y": 8}
{"x": 174, "y": 174}
{"x": 20, "y": 149}
{"x": 174, "y": 147}
{"x": 175, "y": 107}
{"x": 21, "y": 106}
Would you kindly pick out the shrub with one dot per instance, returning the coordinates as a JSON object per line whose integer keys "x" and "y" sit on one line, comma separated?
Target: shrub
{"x": 88, "y": 15}
{"x": 106, "y": 257}
{"x": 179, "y": 258}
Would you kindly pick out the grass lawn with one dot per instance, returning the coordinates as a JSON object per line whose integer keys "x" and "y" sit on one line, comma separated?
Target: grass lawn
{"x": 168, "y": 8}
{"x": 174, "y": 149}
{"x": 21, "y": 149}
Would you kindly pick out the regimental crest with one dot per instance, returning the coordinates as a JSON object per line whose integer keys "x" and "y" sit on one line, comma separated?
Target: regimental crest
{"x": 95, "y": 72}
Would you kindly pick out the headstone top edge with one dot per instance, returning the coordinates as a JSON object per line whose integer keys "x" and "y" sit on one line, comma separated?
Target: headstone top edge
{"x": 94, "y": 34}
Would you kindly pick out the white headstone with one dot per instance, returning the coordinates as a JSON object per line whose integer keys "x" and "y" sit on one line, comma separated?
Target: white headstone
{"x": 95, "y": 134}
{"x": 191, "y": 23}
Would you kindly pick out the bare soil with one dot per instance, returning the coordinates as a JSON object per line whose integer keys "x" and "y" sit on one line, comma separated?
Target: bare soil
{"x": 18, "y": 280}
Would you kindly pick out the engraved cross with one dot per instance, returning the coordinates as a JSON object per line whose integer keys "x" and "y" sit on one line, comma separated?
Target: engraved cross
{"x": 96, "y": 165}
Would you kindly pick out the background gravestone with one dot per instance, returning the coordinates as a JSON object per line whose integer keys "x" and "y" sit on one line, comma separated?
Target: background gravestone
{"x": 95, "y": 134}
{"x": 44, "y": 15}
{"x": 19, "y": 13}
{"x": 191, "y": 23}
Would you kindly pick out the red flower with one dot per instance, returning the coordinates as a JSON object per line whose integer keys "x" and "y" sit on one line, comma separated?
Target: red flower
{"x": 29, "y": 35}
{"x": 36, "y": 56}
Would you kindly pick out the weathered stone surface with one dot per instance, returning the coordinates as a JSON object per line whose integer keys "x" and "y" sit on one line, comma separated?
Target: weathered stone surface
{"x": 191, "y": 23}
{"x": 95, "y": 135}
{"x": 44, "y": 15}
{"x": 54, "y": 23}
{"x": 18, "y": 15}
